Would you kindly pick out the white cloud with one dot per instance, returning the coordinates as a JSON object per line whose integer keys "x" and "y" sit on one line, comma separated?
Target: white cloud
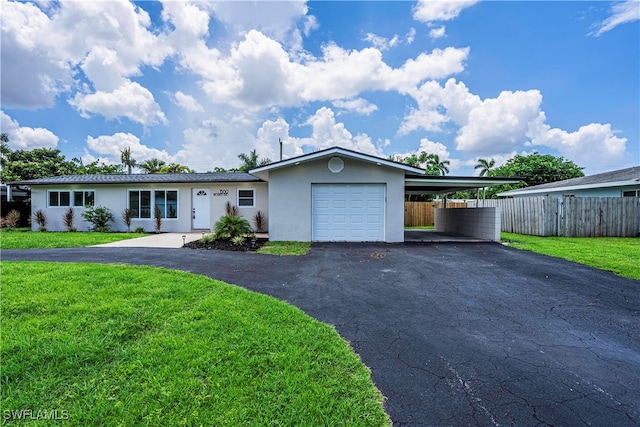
{"x": 357, "y": 105}
{"x": 129, "y": 100}
{"x": 32, "y": 74}
{"x": 109, "y": 147}
{"x": 187, "y": 102}
{"x": 26, "y": 138}
{"x": 437, "y": 33}
{"x": 621, "y": 13}
{"x": 410, "y": 36}
{"x": 593, "y": 141}
{"x": 440, "y": 10}
{"x": 381, "y": 43}
{"x": 499, "y": 124}
{"x": 259, "y": 73}
{"x": 43, "y": 48}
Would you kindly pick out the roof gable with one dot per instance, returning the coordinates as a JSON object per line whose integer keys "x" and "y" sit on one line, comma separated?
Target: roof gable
{"x": 263, "y": 171}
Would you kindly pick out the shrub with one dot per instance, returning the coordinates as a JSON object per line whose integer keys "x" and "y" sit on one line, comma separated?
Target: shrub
{"x": 157, "y": 216}
{"x": 208, "y": 238}
{"x": 12, "y": 220}
{"x": 98, "y": 216}
{"x": 238, "y": 240}
{"x": 259, "y": 221}
{"x": 127, "y": 218}
{"x": 41, "y": 220}
{"x": 230, "y": 209}
{"x": 139, "y": 230}
{"x": 67, "y": 219}
{"x": 230, "y": 226}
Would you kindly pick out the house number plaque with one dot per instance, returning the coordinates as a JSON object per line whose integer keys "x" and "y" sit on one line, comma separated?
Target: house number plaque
{"x": 222, "y": 192}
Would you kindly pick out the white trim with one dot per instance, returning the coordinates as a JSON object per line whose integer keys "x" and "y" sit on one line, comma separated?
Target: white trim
{"x": 330, "y": 152}
{"x": 524, "y": 191}
{"x": 253, "y": 198}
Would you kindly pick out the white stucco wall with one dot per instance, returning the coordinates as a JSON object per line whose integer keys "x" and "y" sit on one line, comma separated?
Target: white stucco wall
{"x": 115, "y": 198}
{"x": 481, "y": 223}
{"x": 290, "y": 196}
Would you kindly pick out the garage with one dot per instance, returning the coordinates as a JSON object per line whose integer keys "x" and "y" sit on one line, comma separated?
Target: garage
{"x": 348, "y": 212}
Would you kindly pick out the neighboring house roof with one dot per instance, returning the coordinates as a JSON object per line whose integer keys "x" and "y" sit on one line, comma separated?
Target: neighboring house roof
{"x": 616, "y": 178}
{"x": 155, "y": 178}
{"x": 263, "y": 171}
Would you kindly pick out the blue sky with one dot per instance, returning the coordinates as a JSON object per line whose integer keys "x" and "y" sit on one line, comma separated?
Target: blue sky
{"x": 200, "y": 82}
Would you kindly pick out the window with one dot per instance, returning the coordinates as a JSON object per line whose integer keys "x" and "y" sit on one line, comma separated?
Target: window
{"x": 245, "y": 198}
{"x": 631, "y": 193}
{"x": 140, "y": 203}
{"x": 83, "y": 198}
{"x": 64, "y": 198}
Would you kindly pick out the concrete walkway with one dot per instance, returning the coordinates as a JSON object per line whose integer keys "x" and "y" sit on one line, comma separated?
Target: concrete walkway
{"x": 162, "y": 240}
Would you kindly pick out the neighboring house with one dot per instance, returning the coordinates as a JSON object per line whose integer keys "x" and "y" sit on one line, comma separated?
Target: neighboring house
{"x": 618, "y": 183}
{"x": 329, "y": 195}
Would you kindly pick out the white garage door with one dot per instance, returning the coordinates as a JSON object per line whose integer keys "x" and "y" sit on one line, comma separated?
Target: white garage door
{"x": 348, "y": 212}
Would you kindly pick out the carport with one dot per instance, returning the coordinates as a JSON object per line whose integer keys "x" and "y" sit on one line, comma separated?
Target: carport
{"x": 468, "y": 224}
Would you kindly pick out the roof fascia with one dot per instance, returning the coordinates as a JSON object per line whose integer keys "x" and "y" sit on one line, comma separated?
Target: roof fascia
{"x": 332, "y": 152}
{"x": 570, "y": 188}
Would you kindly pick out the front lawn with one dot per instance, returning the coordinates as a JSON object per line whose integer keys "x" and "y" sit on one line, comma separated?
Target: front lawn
{"x": 125, "y": 345}
{"x": 285, "y": 248}
{"x": 27, "y": 239}
{"x": 620, "y": 255}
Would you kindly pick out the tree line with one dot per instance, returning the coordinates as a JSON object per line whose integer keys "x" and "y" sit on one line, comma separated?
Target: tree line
{"x": 534, "y": 169}
{"x": 22, "y": 165}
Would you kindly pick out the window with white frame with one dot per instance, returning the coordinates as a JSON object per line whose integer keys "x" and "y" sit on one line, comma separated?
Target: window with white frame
{"x": 144, "y": 202}
{"x": 630, "y": 193}
{"x": 246, "y": 197}
{"x": 69, "y": 198}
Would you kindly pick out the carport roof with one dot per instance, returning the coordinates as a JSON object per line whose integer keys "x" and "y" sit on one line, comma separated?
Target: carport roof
{"x": 426, "y": 184}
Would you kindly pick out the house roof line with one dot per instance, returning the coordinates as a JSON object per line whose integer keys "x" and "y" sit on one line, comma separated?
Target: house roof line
{"x": 337, "y": 150}
{"x": 532, "y": 190}
{"x": 160, "y": 178}
{"x": 616, "y": 178}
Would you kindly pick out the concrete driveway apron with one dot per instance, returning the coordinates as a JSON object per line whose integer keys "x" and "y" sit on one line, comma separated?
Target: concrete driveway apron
{"x": 455, "y": 334}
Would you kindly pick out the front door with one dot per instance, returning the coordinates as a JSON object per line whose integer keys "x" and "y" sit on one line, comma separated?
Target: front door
{"x": 201, "y": 213}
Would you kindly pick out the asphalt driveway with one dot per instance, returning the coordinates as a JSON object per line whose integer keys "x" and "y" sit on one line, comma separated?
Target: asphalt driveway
{"x": 455, "y": 334}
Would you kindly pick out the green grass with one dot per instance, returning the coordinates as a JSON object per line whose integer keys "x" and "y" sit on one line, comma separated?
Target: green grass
{"x": 26, "y": 239}
{"x": 285, "y": 248}
{"x": 420, "y": 227}
{"x": 620, "y": 255}
{"x": 124, "y": 345}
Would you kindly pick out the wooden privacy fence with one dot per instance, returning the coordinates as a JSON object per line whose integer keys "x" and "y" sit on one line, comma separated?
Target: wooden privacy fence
{"x": 422, "y": 213}
{"x": 570, "y": 216}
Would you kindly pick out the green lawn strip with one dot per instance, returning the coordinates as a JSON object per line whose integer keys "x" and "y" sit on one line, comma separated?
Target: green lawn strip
{"x": 420, "y": 227}
{"x": 285, "y": 248}
{"x": 620, "y": 255}
{"x": 10, "y": 239}
{"x": 125, "y": 345}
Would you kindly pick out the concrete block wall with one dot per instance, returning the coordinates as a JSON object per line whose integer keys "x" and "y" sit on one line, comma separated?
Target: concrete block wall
{"x": 479, "y": 223}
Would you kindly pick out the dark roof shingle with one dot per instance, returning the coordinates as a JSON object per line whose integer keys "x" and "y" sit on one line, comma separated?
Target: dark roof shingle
{"x": 160, "y": 178}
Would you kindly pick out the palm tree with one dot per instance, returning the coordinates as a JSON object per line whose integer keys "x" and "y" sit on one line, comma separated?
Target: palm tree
{"x": 175, "y": 168}
{"x": 485, "y": 166}
{"x": 435, "y": 166}
{"x": 127, "y": 160}
{"x": 252, "y": 160}
{"x": 152, "y": 165}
